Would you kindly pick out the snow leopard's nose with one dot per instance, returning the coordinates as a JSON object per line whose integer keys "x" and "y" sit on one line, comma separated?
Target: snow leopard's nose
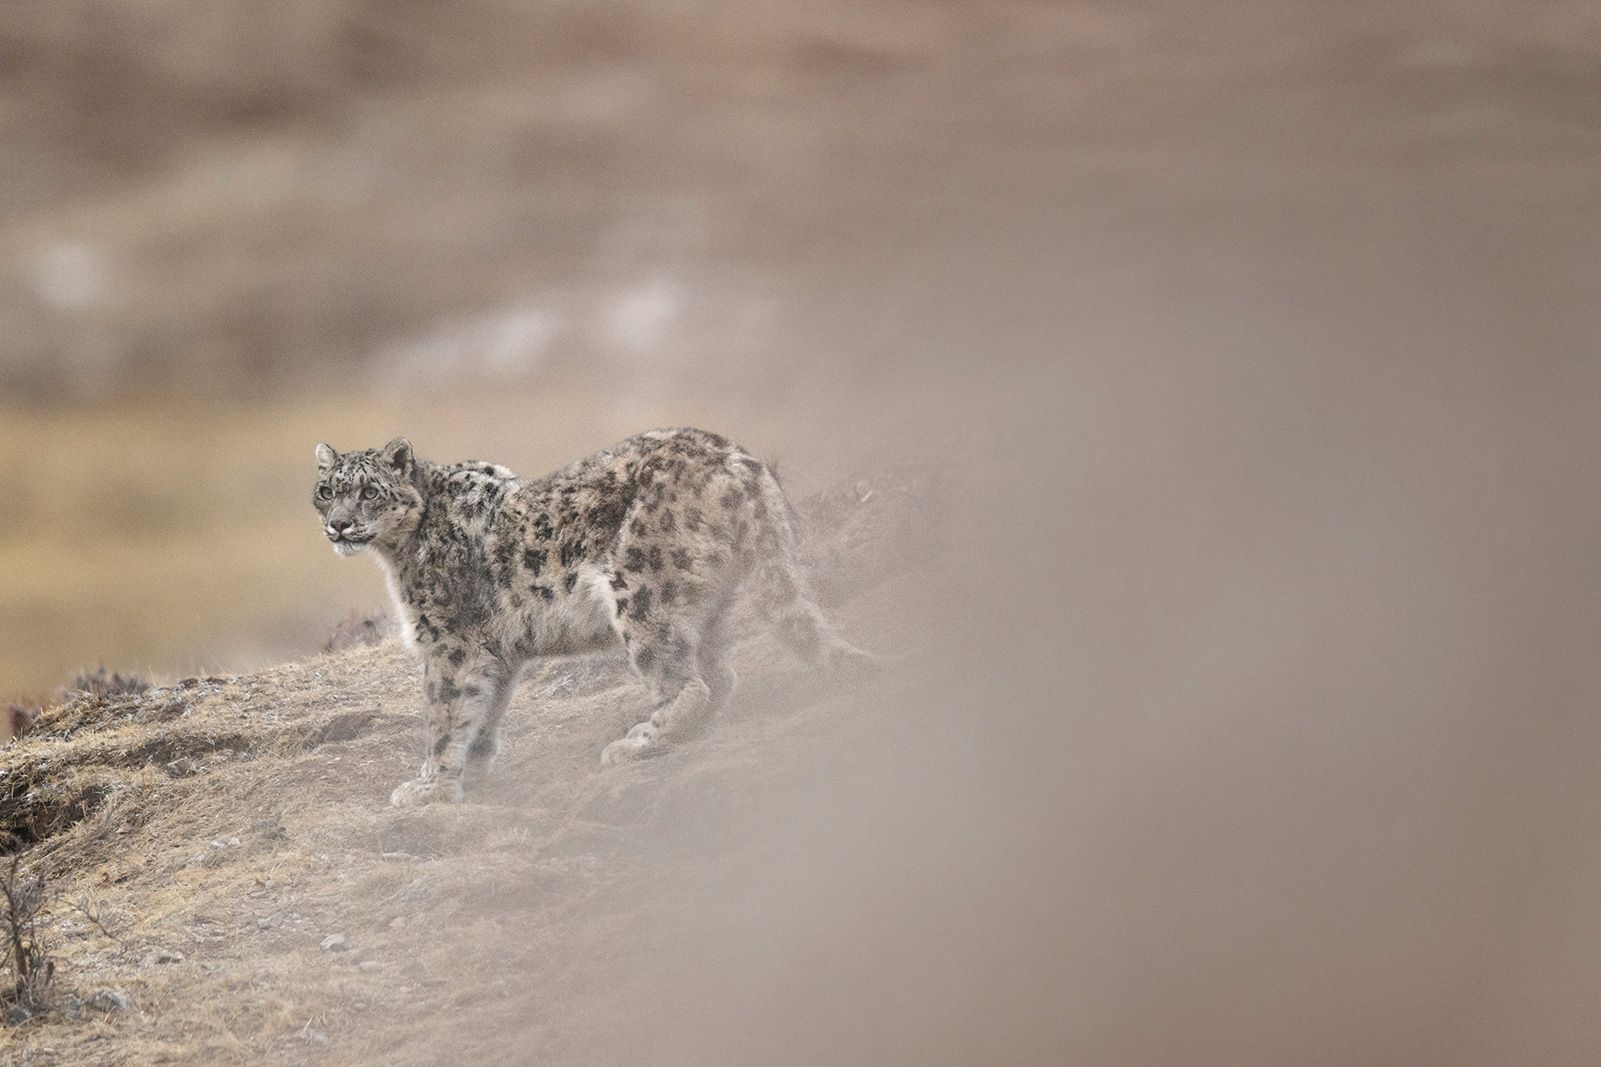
{"x": 338, "y": 526}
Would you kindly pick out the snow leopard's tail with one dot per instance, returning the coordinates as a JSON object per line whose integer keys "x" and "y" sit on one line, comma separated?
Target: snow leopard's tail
{"x": 783, "y": 595}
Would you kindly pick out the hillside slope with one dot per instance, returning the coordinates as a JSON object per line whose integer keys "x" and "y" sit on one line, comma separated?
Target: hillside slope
{"x": 220, "y": 830}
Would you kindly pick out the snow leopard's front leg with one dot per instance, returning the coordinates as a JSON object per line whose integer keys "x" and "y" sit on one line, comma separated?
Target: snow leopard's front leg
{"x": 461, "y": 691}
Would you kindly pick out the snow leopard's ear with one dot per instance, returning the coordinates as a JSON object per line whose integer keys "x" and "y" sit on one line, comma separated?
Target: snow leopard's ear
{"x": 326, "y": 457}
{"x": 397, "y": 454}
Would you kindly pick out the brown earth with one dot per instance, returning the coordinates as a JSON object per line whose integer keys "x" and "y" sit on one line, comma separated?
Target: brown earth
{"x": 238, "y": 821}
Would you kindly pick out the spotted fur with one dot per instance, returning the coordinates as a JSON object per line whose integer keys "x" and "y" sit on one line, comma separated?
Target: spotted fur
{"x": 646, "y": 544}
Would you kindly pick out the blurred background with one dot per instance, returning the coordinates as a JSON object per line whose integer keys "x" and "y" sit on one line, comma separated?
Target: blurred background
{"x": 1266, "y": 331}
{"x": 511, "y": 230}
{"x": 521, "y": 230}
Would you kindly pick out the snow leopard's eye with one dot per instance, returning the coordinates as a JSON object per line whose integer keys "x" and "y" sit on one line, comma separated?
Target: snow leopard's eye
{"x": 324, "y": 492}
{"x": 368, "y": 493}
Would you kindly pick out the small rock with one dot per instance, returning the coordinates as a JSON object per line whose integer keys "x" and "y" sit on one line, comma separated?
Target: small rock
{"x": 397, "y": 922}
{"x": 370, "y": 965}
{"x": 270, "y": 830}
{"x": 335, "y": 943}
{"x": 164, "y": 955}
{"x": 109, "y": 1000}
{"x": 271, "y": 921}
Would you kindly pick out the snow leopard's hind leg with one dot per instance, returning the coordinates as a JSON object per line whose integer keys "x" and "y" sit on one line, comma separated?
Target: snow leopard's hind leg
{"x": 665, "y": 656}
{"x": 671, "y": 609}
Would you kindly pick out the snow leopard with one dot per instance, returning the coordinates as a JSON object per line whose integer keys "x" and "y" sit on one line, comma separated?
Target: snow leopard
{"x": 645, "y": 544}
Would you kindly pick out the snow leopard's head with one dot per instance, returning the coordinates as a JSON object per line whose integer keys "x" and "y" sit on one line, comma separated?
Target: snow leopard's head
{"x": 366, "y": 497}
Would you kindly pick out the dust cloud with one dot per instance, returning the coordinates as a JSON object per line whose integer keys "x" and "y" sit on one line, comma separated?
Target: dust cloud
{"x": 1252, "y": 723}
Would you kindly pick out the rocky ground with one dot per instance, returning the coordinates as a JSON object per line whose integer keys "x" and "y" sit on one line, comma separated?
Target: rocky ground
{"x": 225, "y": 880}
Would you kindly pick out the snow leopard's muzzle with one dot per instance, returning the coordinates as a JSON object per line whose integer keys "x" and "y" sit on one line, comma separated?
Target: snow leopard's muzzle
{"x": 347, "y": 538}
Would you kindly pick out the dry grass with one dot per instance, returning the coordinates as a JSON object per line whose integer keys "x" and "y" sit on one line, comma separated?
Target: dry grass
{"x": 239, "y": 820}
{"x": 24, "y": 894}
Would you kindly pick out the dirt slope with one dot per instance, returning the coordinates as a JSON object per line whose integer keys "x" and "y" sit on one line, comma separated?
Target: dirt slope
{"x": 239, "y": 822}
